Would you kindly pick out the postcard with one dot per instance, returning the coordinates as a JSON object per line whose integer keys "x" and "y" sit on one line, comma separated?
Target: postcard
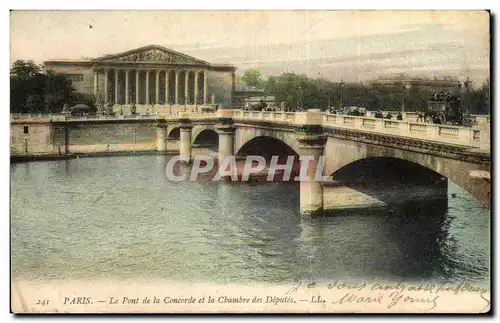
{"x": 250, "y": 161}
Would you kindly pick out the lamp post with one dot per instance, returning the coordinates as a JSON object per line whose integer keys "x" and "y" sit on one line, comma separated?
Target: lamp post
{"x": 299, "y": 103}
{"x": 406, "y": 87}
{"x": 461, "y": 95}
{"x": 467, "y": 84}
{"x": 341, "y": 87}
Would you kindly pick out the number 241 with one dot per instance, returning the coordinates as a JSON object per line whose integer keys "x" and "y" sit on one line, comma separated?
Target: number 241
{"x": 42, "y": 302}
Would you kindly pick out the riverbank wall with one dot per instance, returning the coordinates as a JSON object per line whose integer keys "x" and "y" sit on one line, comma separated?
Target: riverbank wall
{"x": 52, "y": 140}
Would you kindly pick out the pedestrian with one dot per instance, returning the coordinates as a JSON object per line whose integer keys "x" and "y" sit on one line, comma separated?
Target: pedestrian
{"x": 420, "y": 116}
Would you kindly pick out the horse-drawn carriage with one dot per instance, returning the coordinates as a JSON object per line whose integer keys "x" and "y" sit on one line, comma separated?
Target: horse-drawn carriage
{"x": 261, "y": 106}
{"x": 444, "y": 107}
{"x": 354, "y": 111}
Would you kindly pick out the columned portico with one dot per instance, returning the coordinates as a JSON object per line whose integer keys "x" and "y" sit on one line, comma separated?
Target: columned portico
{"x": 122, "y": 93}
{"x": 156, "y": 76}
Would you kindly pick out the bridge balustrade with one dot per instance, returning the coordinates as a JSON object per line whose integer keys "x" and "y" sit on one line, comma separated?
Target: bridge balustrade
{"x": 477, "y": 138}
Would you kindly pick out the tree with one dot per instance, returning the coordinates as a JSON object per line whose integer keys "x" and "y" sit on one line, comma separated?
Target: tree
{"x": 299, "y": 90}
{"x": 33, "y": 103}
{"x": 480, "y": 99}
{"x": 26, "y": 70}
{"x": 253, "y": 77}
{"x": 32, "y": 91}
{"x": 58, "y": 90}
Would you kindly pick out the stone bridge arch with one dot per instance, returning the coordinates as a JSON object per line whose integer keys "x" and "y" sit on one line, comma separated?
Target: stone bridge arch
{"x": 244, "y": 135}
{"x": 199, "y": 128}
{"x": 173, "y": 132}
{"x": 340, "y": 153}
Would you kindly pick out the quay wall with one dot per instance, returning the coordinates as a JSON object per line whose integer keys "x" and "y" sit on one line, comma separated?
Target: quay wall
{"x": 45, "y": 138}
{"x": 95, "y": 138}
{"x": 32, "y": 139}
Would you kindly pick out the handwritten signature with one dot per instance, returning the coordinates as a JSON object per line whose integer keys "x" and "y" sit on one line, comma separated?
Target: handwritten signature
{"x": 396, "y": 293}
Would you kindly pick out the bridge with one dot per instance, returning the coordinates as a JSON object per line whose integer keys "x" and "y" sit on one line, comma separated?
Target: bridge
{"x": 372, "y": 161}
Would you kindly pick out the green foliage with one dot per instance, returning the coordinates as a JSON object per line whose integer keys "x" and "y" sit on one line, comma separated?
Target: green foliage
{"x": 90, "y": 101}
{"x": 253, "y": 77}
{"x": 480, "y": 99}
{"x": 300, "y": 91}
{"x": 31, "y": 91}
{"x": 26, "y": 70}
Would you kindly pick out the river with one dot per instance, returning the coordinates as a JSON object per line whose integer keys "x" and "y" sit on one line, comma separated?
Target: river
{"x": 119, "y": 217}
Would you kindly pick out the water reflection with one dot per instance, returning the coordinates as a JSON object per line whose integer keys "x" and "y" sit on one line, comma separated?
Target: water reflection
{"x": 119, "y": 217}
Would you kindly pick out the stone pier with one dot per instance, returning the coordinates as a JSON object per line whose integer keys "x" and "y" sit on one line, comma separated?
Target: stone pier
{"x": 161, "y": 138}
{"x": 185, "y": 139}
{"x": 225, "y": 129}
{"x": 311, "y": 143}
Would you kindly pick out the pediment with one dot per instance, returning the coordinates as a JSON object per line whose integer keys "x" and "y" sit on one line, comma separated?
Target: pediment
{"x": 153, "y": 54}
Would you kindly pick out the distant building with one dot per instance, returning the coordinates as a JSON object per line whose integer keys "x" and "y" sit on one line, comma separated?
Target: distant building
{"x": 246, "y": 96}
{"x": 150, "y": 75}
{"x": 435, "y": 84}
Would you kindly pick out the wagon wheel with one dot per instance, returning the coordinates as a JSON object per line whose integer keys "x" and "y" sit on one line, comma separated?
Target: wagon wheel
{"x": 429, "y": 119}
{"x": 442, "y": 118}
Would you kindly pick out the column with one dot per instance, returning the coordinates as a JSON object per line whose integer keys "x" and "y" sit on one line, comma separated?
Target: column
{"x": 186, "y": 88}
{"x": 96, "y": 82}
{"x": 106, "y": 95}
{"x": 126, "y": 88}
{"x": 137, "y": 89}
{"x": 167, "y": 88}
{"x": 205, "y": 87}
{"x": 185, "y": 142}
{"x": 116, "y": 86}
{"x": 157, "y": 89}
{"x": 161, "y": 137}
{"x": 196, "y": 87}
{"x": 176, "y": 87}
{"x": 147, "y": 87}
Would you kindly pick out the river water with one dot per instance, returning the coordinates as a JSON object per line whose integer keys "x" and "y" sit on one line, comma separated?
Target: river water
{"x": 120, "y": 218}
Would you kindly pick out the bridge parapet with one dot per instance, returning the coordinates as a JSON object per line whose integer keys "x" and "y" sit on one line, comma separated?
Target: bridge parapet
{"x": 472, "y": 137}
{"x": 475, "y": 137}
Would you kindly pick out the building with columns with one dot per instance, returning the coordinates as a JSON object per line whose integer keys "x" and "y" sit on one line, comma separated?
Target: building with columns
{"x": 151, "y": 78}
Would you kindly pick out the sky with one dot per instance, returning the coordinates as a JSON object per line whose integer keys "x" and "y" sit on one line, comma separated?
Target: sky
{"x": 337, "y": 45}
